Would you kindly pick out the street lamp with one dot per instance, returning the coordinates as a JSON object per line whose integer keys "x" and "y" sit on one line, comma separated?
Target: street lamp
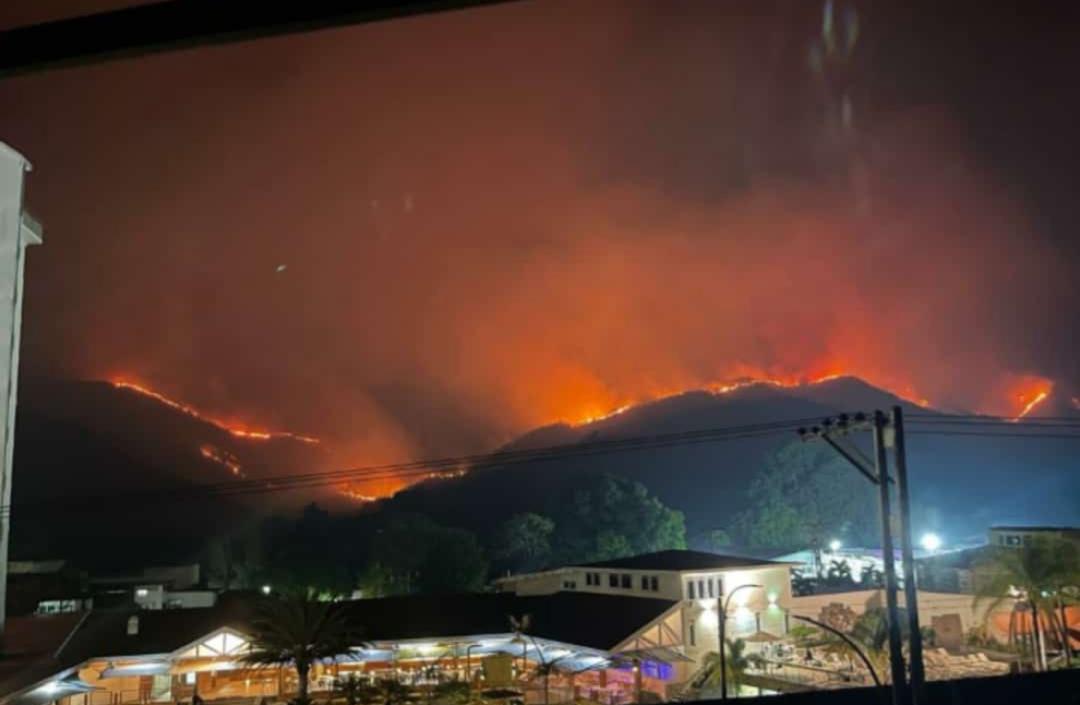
{"x": 468, "y": 664}
{"x": 931, "y": 541}
{"x": 723, "y": 607}
{"x": 835, "y": 545}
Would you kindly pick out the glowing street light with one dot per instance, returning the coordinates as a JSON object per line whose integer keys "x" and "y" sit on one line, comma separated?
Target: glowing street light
{"x": 835, "y": 545}
{"x": 266, "y": 589}
{"x": 931, "y": 541}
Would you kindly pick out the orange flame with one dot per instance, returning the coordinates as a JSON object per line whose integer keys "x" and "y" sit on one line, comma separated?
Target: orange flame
{"x": 1030, "y": 405}
{"x": 234, "y": 429}
{"x": 223, "y": 458}
{"x": 720, "y": 388}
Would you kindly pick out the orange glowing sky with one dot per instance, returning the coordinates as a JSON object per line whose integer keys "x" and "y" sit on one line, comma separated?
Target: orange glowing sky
{"x": 422, "y": 238}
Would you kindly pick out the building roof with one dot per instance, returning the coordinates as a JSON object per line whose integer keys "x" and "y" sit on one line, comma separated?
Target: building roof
{"x": 588, "y": 620}
{"x": 1053, "y": 529}
{"x": 682, "y": 561}
{"x": 583, "y": 619}
{"x": 30, "y": 643}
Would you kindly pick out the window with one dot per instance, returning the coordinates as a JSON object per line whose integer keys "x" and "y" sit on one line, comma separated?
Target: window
{"x": 613, "y": 580}
{"x": 644, "y": 582}
{"x": 693, "y": 638}
{"x": 569, "y": 585}
{"x": 690, "y": 589}
{"x": 701, "y": 588}
{"x": 719, "y": 586}
{"x": 711, "y": 593}
{"x": 654, "y": 584}
{"x": 627, "y": 581}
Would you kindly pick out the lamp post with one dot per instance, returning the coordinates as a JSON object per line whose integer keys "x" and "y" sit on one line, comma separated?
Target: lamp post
{"x": 722, "y": 606}
{"x": 468, "y": 664}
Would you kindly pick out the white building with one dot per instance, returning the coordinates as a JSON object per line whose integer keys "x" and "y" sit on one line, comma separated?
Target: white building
{"x": 17, "y": 231}
{"x": 757, "y": 593}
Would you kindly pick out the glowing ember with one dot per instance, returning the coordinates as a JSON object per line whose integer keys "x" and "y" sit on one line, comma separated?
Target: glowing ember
{"x": 1031, "y": 404}
{"x": 223, "y": 458}
{"x": 235, "y": 430}
{"x": 600, "y": 417}
{"x": 720, "y": 389}
{"x": 445, "y": 474}
{"x": 353, "y": 494}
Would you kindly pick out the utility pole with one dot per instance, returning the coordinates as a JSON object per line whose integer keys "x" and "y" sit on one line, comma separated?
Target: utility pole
{"x": 896, "y": 659}
{"x": 834, "y": 432}
{"x": 907, "y": 555}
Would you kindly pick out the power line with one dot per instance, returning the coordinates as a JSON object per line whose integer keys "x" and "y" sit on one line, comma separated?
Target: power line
{"x": 410, "y": 469}
{"x": 990, "y": 417}
{"x": 437, "y": 468}
{"x": 997, "y": 434}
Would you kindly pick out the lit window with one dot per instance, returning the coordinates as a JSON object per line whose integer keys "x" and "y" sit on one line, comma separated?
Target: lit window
{"x": 142, "y": 592}
{"x": 690, "y": 589}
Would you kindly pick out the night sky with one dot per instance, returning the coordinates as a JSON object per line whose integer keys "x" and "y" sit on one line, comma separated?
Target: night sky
{"x": 420, "y": 237}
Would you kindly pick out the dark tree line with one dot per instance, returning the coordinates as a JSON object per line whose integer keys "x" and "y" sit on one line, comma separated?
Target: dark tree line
{"x": 390, "y": 553}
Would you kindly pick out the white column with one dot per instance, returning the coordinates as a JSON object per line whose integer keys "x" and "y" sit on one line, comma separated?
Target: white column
{"x": 16, "y": 232}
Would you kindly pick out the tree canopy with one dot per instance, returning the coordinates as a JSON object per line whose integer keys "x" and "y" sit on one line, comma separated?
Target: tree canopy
{"x": 609, "y": 516}
{"x": 412, "y": 554}
{"x": 806, "y": 495}
{"x": 523, "y": 543}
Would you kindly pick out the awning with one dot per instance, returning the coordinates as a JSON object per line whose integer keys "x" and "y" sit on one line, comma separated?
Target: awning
{"x": 656, "y": 653}
{"x": 144, "y": 668}
{"x": 52, "y": 691}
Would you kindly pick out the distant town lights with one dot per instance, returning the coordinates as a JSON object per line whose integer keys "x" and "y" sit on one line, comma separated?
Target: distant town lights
{"x": 931, "y": 541}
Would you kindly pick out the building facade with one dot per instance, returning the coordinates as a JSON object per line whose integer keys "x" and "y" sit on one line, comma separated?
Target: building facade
{"x": 757, "y": 594}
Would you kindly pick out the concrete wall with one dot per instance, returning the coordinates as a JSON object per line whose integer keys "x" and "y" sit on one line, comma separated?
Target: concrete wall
{"x": 931, "y": 604}
{"x": 14, "y": 237}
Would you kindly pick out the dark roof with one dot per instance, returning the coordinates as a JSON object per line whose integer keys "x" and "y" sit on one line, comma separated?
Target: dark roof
{"x": 29, "y": 644}
{"x": 682, "y": 561}
{"x": 1036, "y": 528}
{"x": 583, "y": 619}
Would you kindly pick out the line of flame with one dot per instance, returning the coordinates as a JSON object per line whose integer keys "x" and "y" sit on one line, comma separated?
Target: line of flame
{"x": 1038, "y": 399}
{"x": 239, "y": 432}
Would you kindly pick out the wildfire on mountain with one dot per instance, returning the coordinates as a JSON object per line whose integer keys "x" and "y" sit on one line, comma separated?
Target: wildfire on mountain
{"x": 1030, "y": 404}
{"x": 237, "y": 430}
{"x": 223, "y": 458}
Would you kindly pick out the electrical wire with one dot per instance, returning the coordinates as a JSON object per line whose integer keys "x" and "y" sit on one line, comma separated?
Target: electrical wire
{"x": 421, "y": 468}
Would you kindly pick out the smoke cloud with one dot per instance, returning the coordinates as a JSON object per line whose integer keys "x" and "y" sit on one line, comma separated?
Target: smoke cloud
{"x": 422, "y": 237}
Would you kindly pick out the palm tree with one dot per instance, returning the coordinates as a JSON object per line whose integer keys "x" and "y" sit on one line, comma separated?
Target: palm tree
{"x": 544, "y": 667}
{"x": 1038, "y": 576}
{"x": 300, "y": 631}
{"x": 737, "y": 663}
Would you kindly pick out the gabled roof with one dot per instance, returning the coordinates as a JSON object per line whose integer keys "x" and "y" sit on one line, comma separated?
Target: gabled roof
{"x": 584, "y": 619}
{"x": 682, "y": 561}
